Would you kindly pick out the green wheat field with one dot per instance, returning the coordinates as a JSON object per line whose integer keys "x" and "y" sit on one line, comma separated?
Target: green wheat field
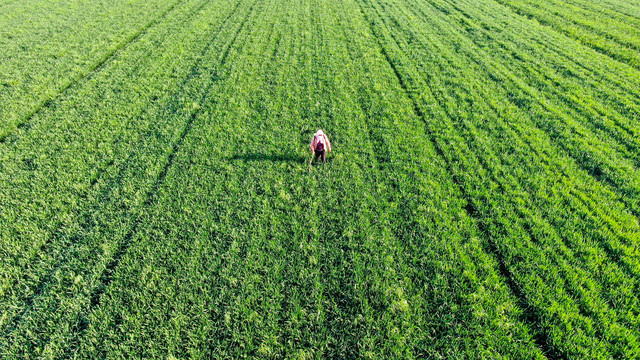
{"x": 482, "y": 200}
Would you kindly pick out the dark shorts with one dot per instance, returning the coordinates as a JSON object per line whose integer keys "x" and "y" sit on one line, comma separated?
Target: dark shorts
{"x": 321, "y": 154}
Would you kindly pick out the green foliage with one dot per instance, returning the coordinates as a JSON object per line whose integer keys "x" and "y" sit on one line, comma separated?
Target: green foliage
{"x": 482, "y": 199}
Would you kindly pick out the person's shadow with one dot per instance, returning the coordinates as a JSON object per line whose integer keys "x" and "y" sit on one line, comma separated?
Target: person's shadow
{"x": 270, "y": 157}
{"x": 305, "y": 138}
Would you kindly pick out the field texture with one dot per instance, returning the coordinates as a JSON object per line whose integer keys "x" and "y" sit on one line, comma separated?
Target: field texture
{"x": 482, "y": 199}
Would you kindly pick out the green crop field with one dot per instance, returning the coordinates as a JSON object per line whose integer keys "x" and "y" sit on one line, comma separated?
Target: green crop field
{"x": 482, "y": 200}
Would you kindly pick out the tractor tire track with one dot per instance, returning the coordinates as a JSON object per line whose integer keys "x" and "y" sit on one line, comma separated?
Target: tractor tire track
{"x": 101, "y": 169}
{"x": 617, "y": 259}
{"x": 24, "y": 123}
{"x": 107, "y": 276}
{"x": 88, "y": 222}
{"x": 618, "y": 17}
{"x": 564, "y": 57}
{"x": 544, "y": 156}
{"x": 103, "y": 195}
{"x": 609, "y": 250}
{"x": 629, "y": 143}
{"x": 472, "y": 209}
{"x": 532, "y": 319}
{"x": 619, "y": 58}
{"x": 617, "y": 8}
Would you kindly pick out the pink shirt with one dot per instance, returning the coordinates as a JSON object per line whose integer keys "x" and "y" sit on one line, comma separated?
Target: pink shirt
{"x": 322, "y": 138}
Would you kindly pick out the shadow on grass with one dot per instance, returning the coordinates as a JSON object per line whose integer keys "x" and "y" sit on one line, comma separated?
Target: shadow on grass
{"x": 270, "y": 157}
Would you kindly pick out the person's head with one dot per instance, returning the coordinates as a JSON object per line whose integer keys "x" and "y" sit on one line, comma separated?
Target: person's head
{"x": 319, "y": 132}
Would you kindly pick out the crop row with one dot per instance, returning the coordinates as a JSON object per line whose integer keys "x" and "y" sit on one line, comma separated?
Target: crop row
{"x": 596, "y": 120}
{"x": 587, "y": 146}
{"x": 71, "y": 188}
{"x": 594, "y": 25}
{"x": 589, "y": 134}
{"x": 363, "y": 257}
{"x": 48, "y": 46}
{"x": 479, "y": 201}
{"x": 244, "y": 252}
{"x": 624, "y": 7}
{"x": 540, "y": 212}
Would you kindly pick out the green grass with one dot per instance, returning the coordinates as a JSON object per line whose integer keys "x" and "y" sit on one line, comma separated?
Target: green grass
{"x": 481, "y": 201}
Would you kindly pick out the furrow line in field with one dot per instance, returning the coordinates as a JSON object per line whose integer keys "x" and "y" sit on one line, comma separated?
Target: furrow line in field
{"x": 621, "y": 79}
{"x": 531, "y": 318}
{"x": 170, "y": 157}
{"x": 6, "y": 136}
{"x": 623, "y": 141}
{"x": 495, "y": 68}
{"x": 522, "y": 50}
{"x": 604, "y": 170}
{"x": 625, "y": 104}
{"x": 620, "y": 30}
{"x": 551, "y": 220}
{"x": 620, "y": 255}
{"x": 413, "y": 226}
{"x": 29, "y": 301}
{"x": 600, "y": 7}
{"x": 381, "y": 149}
{"x": 401, "y": 81}
{"x": 189, "y": 125}
{"x": 108, "y": 274}
{"x": 571, "y": 197}
{"x": 619, "y": 51}
{"x": 623, "y": 242}
{"x": 178, "y": 170}
{"x": 610, "y": 250}
{"x": 195, "y": 71}
{"x": 485, "y": 165}
{"x": 612, "y": 113}
{"x": 629, "y": 8}
{"x": 101, "y": 169}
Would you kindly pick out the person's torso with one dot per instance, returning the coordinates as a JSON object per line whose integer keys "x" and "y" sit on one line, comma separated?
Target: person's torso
{"x": 320, "y": 143}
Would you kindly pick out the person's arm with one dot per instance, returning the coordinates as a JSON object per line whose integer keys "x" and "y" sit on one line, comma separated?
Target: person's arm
{"x": 326, "y": 138}
{"x": 313, "y": 144}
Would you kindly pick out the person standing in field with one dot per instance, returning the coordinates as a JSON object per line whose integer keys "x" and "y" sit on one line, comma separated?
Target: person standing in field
{"x": 319, "y": 146}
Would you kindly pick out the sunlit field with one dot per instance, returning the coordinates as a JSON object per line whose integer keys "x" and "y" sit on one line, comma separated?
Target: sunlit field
{"x": 482, "y": 199}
